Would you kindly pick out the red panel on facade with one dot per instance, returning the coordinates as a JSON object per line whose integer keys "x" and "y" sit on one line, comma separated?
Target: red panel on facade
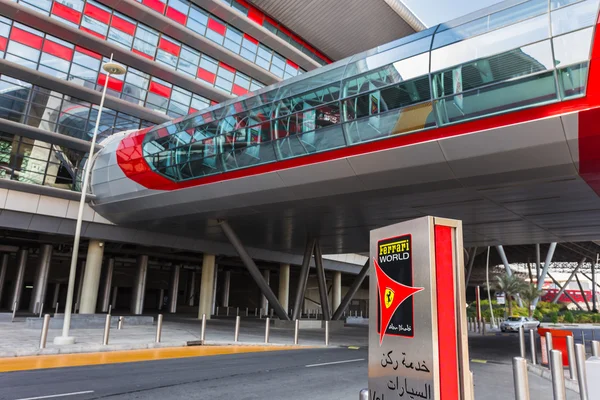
{"x": 113, "y": 83}
{"x": 97, "y": 13}
{"x": 3, "y": 42}
{"x": 159, "y": 89}
{"x": 88, "y": 52}
{"x": 292, "y": 64}
{"x": 240, "y": 91}
{"x": 156, "y": 5}
{"x": 91, "y": 32}
{"x": 169, "y": 47}
{"x": 447, "y": 345}
{"x": 256, "y": 15}
{"x": 65, "y": 12}
{"x": 26, "y": 38}
{"x": 122, "y": 25}
{"x": 58, "y": 50}
{"x": 250, "y": 38}
{"x": 141, "y": 53}
{"x": 176, "y": 15}
{"x": 227, "y": 67}
{"x": 206, "y": 75}
{"x": 216, "y": 26}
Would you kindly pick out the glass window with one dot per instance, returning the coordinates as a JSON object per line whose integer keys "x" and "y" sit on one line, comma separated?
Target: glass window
{"x": 208, "y": 64}
{"x": 573, "y": 47}
{"x": 233, "y": 39}
{"x": 188, "y": 61}
{"x": 573, "y": 80}
{"x": 94, "y": 25}
{"x": 580, "y": 15}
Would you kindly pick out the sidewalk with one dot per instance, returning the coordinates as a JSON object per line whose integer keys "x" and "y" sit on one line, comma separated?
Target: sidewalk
{"x": 17, "y": 340}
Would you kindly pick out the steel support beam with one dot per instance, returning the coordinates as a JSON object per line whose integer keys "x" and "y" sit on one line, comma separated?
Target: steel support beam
{"x": 542, "y": 277}
{"x": 352, "y": 291}
{"x": 562, "y": 289}
{"x": 566, "y": 293}
{"x": 322, "y": 282}
{"x": 582, "y": 293}
{"x": 253, "y": 270}
{"x": 471, "y": 261}
{"x": 303, "y": 279}
{"x": 538, "y": 262}
{"x": 509, "y": 272}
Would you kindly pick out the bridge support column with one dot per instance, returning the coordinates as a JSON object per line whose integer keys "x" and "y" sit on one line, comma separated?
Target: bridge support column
{"x": 3, "y": 269}
{"x": 303, "y": 279}
{"x": 566, "y": 293}
{"x": 110, "y": 267}
{"x": 40, "y": 281}
{"x": 191, "y": 288}
{"x": 226, "y": 286}
{"x": 253, "y": 270}
{"x": 207, "y": 284}
{"x": 509, "y": 272}
{"x": 352, "y": 291}
{"x": 91, "y": 279}
{"x": 264, "y": 301}
{"x": 174, "y": 289}
{"x": 336, "y": 291}
{"x": 471, "y": 261}
{"x": 562, "y": 289}
{"x": 284, "y": 286}
{"x": 322, "y": 283}
{"x": 544, "y": 272}
{"x": 587, "y": 305}
{"x": 19, "y": 277}
{"x": 139, "y": 286}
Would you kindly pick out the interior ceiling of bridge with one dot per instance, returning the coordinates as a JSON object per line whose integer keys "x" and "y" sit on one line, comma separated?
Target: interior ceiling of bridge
{"x": 339, "y": 28}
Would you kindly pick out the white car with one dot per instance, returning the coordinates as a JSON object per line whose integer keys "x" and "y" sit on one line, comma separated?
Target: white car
{"x": 512, "y": 324}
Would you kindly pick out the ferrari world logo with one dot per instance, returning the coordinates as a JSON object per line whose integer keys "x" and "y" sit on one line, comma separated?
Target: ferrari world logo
{"x": 391, "y": 295}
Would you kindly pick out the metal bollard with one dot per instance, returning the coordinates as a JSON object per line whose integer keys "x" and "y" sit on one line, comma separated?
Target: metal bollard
{"x": 296, "y": 331}
{"x": 246, "y": 311}
{"x": 120, "y": 324}
{"x": 581, "y": 371}
{"x": 548, "y": 346}
{"x": 159, "y": 324}
{"x": 106, "y": 331}
{"x": 203, "y": 329}
{"x": 56, "y": 310}
{"x": 364, "y": 394}
{"x": 41, "y": 310}
{"x": 217, "y": 312}
{"x": 326, "y": 333}
{"x": 521, "y": 378}
{"x": 109, "y": 309}
{"x": 44, "y": 336}
{"x": 583, "y": 339}
{"x": 271, "y": 313}
{"x": 522, "y": 342}
{"x": 478, "y": 322}
{"x": 14, "y": 312}
{"x": 267, "y": 329}
{"x": 483, "y": 327}
{"x": 558, "y": 375}
{"x": 236, "y": 334}
{"x": 595, "y": 348}
{"x": 532, "y": 346}
{"x": 571, "y": 358}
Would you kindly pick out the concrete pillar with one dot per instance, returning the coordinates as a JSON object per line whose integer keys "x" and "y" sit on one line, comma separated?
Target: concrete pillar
{"x": 174, "y": 289}
{"x": 191, "y": 288}
{"x": 19, "y": 277}
{"x": 161, "y": 296}
{"x": 139, "y": 285}
{"x": 207, "y": 284}
{"x": 226, "y": 285}
{"x": 114, "y": 296}
{"x": 40, "y": 280}
{"x": 214, "y": 299}
{"x": 56, "y": 294}
{"x": 284, "y": 286}
{"x": 264, "y": 302}
{"x": 3, "y": 268}
{"x": 336, "y": 291}
{"x": 91, "y": 278}
{"x": 105, "y": 302}
{"x": 79, "y": 286}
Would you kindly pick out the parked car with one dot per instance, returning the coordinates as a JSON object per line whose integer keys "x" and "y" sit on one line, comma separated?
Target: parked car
{"x": 512, "y": 324}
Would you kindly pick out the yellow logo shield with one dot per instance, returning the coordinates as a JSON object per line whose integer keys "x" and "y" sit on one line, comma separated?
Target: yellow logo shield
{"x": 389, "y": 297}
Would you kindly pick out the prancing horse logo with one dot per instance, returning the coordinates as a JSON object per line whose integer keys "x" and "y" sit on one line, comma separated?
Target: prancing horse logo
{"x": 389, "y": 297}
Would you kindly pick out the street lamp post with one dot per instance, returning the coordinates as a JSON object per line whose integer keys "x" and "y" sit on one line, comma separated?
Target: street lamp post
{"x": 110, "y": 68}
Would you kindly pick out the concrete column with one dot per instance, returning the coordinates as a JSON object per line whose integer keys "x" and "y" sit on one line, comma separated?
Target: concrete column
{"x": 174, "y": 289}
{"x": 336, "y": 290}
{"x": 114, "y": 296}
{"x": 214, "y": 299}
{"x": 161, "y": 296}
{"x": 139, "y": 285}
{"x": 40, "y": 281}
{"x": 105, "y": 302}
{"x": 79, "y": 286}
{"x": 207, "y": 284}
{"x": 3, "y": 268}
{"x": 226, "y": 285}
{"x": 192, "y": 288}
{"x": 264, "y": 302}
{"x": 91, "y": 278}
{"x": 19, "y": 277}
{"x": 284, "y": 286}
{"x": 56, "y": 294}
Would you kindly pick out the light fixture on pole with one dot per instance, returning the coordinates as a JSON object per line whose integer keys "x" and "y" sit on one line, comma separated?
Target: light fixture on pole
{"x": 110, "y": 68}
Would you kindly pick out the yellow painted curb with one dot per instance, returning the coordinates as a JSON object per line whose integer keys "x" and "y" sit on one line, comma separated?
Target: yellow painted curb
{"x": 113, "y": 357}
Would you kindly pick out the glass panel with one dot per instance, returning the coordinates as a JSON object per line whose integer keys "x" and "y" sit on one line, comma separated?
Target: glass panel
{"x": 573, "y": 47}
{"x": 574, "y": 17}
{"x": 513, "y": 95}
{"x": 498, "y": 41}
{"x": 573, "y": 80}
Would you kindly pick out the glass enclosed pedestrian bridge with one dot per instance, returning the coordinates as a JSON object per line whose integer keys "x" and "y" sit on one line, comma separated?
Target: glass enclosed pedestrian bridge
{"x": 515, "y": 55}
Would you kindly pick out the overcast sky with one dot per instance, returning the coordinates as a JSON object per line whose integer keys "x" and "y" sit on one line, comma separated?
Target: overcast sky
{"x": 433, "y": 12}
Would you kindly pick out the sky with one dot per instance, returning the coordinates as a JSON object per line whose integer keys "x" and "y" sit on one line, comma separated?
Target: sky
{"x": 433, "y": 12}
